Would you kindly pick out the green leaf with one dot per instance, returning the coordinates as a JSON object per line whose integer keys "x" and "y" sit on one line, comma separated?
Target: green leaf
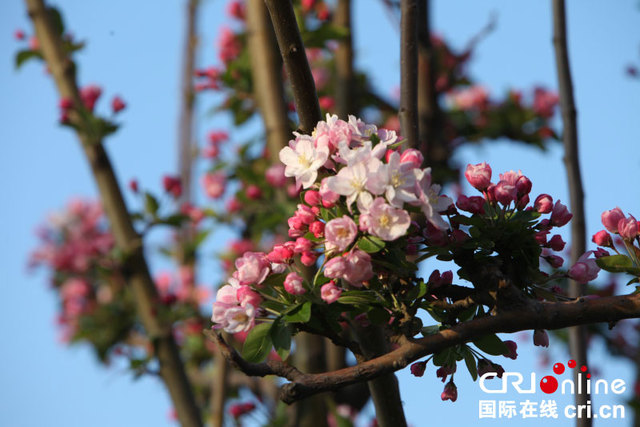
{"x": 492, "y": 345}
{"x": 357, "y": 298}
{"x": 617, "y": 264}
{"x": 281, "y": 337}
{"x": 378, "y": 316}
{"x": 151, "y": 204}
{"x": 371, "y": 244}
{"x": 445, "y": 357}
{"x": 470, "y": 361}
{"x": 56, "y": 20}
{"x": 300, "y": 314}
{"x": 430, "y": 330}
{"x": 258, "y": 343}
{"x": 24, "y": 55}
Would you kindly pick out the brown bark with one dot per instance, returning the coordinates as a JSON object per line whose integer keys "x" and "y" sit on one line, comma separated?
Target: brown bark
{"x": 294, "y": 56}
{"x": 345, "y": 82}
{"x": 533, "y": 315}
{"x": 409, "y": 72}
{"x": 577, "y": 335}
{"x": 136, "y": 270}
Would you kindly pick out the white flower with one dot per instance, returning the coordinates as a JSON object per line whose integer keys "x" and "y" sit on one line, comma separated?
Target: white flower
{"x": 430, "y": 201}
{"x": 398, "y": 180}
{"x": 354, "y": 183}
{"x": 303, "y": 161}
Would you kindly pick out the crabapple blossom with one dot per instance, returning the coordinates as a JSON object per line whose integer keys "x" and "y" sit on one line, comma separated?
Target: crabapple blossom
{"x": 628, "y": 228}
{"x": 293, "y": 284}
{"x": 329, "y": 292}
{"x": 611, "y": 218}
{"x": 540, "y": 338}
{"x": 275, "y": 175}
{"x": 214, "y": 184}
{"x": 512, "y": 348}
{"x": 430, "y": 202}
{"x": 418, "y": 368}
{"x": 602, "y": 238}
{"x": 340, "y": 233}
{"x": 252, "y": 268}
{"x": 450, "y": 392}
{"x": 560, "y": 215}
{"x": 479, "y": 176}
{"x": 303, "y": 161}
{"x": 585, "y": 269}
{"x": 384, "y": 221}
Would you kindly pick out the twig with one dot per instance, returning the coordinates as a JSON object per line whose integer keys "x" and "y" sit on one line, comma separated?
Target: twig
{"x": 345, "y": 87}
{"x": 127, "y": 240}
{"x": 409, "y": 71}
{"x": 295, "y": 61}
{"x": 577, "y": 336}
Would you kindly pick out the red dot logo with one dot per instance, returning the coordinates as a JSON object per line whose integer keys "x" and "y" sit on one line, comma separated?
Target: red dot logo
{"x": 549, "y": 384}
{"x": 583, "y": 369}
{"x": 571, "y": 363}
{"x": 558, "y": 368}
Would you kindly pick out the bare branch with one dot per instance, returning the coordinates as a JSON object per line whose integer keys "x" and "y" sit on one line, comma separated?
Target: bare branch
{"x": 577, "y": 336}
{"x": 345, "y": 85}
{"x": 409, "y": 71}
{"x": 136, "y": 270}
{"x": 296, "y": 63}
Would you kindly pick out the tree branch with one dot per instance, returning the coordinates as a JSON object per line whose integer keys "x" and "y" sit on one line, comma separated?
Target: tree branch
{"x": 345, "y": 85}
{"x": 294, "y": 56}
{"x": 577, "y": 336}
{"x": 127, "y": 240}
{"x": 409, "y": 71}
{"x": 535, "y": 315}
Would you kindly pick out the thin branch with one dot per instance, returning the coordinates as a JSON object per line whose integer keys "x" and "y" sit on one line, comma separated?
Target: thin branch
{"x": 409, "y": 71}
{"x": 266, "y": 73}
{"x": 295, "y": 60}
{"x": 345, "y": 85}
{"x": 127, "y": 240}
{"x": 577, "y": 336}
{"x": 535, "y": 315}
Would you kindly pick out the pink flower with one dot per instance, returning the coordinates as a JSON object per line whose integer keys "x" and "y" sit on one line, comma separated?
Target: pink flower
{"x": 233, "y": 205}
{"x": 229, "y": 45}
{"x": 275, "y": 176}
{"x": 117, "y": 104}
{"x": 335, "y": 268}
{"x": 293, "y": 284}
{"x": 610, "y": 219}
{"x": 329, "y": 198}
{"x": 560, "y": 215}
{"x": 329, "y": 292}
{"x": 511, "y": 350}
{"x": 469, "y": 98}
{"x": 359, "y": 268}
{"x": 385, "y": 221}
{"x": 312, "y": 198}
{"x": 628, "y": 228}
{"x": 340, "y": 233}
{"x": 172, "y": 185}
{"x": 214, "y": 184}
{"x": 89, "y": 95}
{"x": 253, "y": 268}
{"x": 246, "y": 295}
{"x": 418, "y": 368}
{"x": 585, "y": 269}
{"x": 540, "y": 338}
{"x": 479, "y": 176}
{"x": 303, "y": 161}
{"x": 308, "y": 258}
{"x": 450, "y": 392}
{"x": 544, "y": 102}
{"x": 305, "y": 214}
{"x": 237, "y": 9}
{"x": 602, "y": 238}
{"x": 326, "y": 102}
{"x": 543, "y": 203}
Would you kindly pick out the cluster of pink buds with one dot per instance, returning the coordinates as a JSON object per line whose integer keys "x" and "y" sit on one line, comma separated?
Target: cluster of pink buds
{"x": 209, "y": 79}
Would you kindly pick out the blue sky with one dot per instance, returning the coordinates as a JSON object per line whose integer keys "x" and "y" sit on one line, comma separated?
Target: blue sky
{"x": 134, "y": 50}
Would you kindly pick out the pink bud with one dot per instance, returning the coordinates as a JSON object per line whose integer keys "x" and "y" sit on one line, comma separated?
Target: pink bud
{"x": 556, "y": 243}
{"x": 418, "y": 368}
{"x": 505, "y": 193}
{"x": 628, "y": 228}
{"x": 133, "y": 185}
{"x": 172, "y": 185}
{"x": 474, "y": 204}
{"x": 511, "y": 350}
{"x": 312, "y": 198}
{"x": 293, "y": 284}
{"x": 560, "y": 215}
{"x": 329, "y": 198}
{"x": 540, "y": 338}
{"x": 254, "y": 192}
{"x": 479, "y": 176}
{"x": 117, "y": 104}
{"x": 543, "y": 203}
{"x": 554, "y": 261}
{"x": 523, "y": 201}
{"x": 523, "y": 185}
{"x": 19, "y": 35}
{"x": 602, "y": 238}
{"x": 275, "y": 175}
{"x": 317, "y": 228}
{"x": 308, "y": 258}
{"x": 65, "y": 103}
{"x": 450, "y": 392}
{"x": 280, "y": 254}
{"x": 326, "y": 102}
{"x": 330, "y": 293}
{"x": 610, "y": 219}
{"x": 233, "y": 205}
{"x": 302, "y": 245}
{"x": 411, "y": 155}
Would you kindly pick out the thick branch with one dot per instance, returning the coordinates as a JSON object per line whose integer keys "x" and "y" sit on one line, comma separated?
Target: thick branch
{"x": 295, "y": 60}
{"x": 409, "y": 71}
{"x": 127, "y": 240}
{"x": 577, "y": 336}
{"x": 536, "y": 315}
